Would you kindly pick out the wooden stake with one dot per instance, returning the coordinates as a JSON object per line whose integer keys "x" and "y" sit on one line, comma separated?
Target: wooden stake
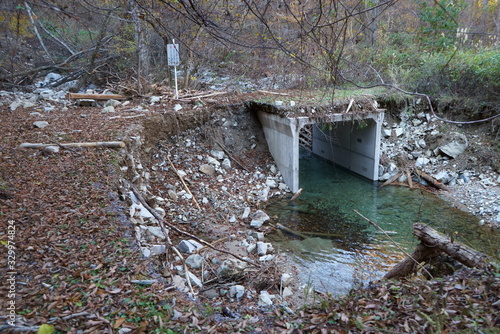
{"x": 297, "y": 194}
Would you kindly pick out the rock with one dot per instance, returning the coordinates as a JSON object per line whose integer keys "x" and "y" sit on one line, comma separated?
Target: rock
{"x": 226, "y": 163}
{"x": 251, "y": 248}
{"x": 213, "y": 161}
{"x": 179, "y": 282}
{"x": 47, "y": 94}
{"x": 218, "y": 154}
{"x": 237, "y": 291}
{"x": 246, "y": 213}
{"x": 195, "y": 281}
{"x": 173, "y": 195}
{"x": 35, "y": 114}
{"x": 108, "y": 109}
{"x": 189, "y": 246}
{"x": 154, "y": 99}
{"x": 207, "y": 169}
{"x": 112, "y": 103}
{"x": 156, "y": 231}
{"x": 210, "y": 294}
{"x": 261, "y": 248}
{"x": 14, "y": 105}
{"x": 464, "y": 177}
{"x": 257, "y": 235}
{"x": 260, "y": 215}
{"x": 443, "y": 177}
{"x": 287, "y": 292}
{"x": 177, "y": 107}
{"x": 40, "y": 124}
{"x": 266, "y": 258}
{"x": 194, "y": 261}
{"x": 286, "y": 279}
{"x": 51, "y": 149}
{"x": 386, "y": 132}
{"x": 265, "y": 299}
{"x": 399, "y": 132}
{"x": 456, "y": 145}
{"x": 157, "y": 249}
{"x": 421, "y": 161}
{"x": 271, "y": 183}
{"x": 146, "y": 252}
{"x": 86, "y": 103}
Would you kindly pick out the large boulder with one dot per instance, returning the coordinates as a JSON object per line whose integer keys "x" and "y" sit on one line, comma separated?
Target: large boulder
{"x": 453, "y": 144}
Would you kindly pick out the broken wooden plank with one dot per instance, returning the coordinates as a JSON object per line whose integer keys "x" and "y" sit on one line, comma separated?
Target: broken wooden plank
{"x": 75, "y": 96}
{"x": 110, "y": 144}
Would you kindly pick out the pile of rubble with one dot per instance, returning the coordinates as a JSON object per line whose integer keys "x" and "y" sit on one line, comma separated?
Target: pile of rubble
{"x": 448, "y": 152}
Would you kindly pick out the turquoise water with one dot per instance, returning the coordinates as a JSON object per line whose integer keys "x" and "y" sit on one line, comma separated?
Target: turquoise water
{"x": 343, "y": 249}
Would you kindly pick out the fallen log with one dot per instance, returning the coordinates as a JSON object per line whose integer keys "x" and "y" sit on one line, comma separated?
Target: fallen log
{"x": 430, "y": 179}
{"x": 75, "y": 96}
{"x": 109, "y": 144}
{"x": 432, "y": 244}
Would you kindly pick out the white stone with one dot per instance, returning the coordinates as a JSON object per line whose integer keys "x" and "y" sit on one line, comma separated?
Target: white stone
{"x": 51, "y": 149}
{"x": 456, "y": 146}
{"x": 265, "y": 299}
{"x": 421, "y": 161}
{"x": 194, "y": 261}
{"x": 207, "y": 169}
{"x": 40, "y": 124}
{"x": 287, "y": 292}
{"x": 189, "y": 246}
{"x": 237, "y": 291}
{"x": 286, "y": 279}
{"x": 261, "y": 248}
{"x": 226, "y": 163}
{"x": 266, "y": 258}
{"x": 399, "y": 132}
{"x": 157, "y": 249}
{"x": 154, "y": 99}
{"x": 386, "y": 132}
{"x": 177, "y": 107}
{"x": 271, "y": 183}
{"x": 213, "y": 161}
{"x": 156, "y": 231}
{"x": 217, "y": 154}
{"x": 194, "y": 280}
{"x": 246, "y": 213}
{"x": 108, "y": 109}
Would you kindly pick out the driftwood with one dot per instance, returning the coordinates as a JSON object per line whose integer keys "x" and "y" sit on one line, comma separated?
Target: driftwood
{"x": 418, "y": 173}
{"x": 109, "y": 144}
{"x": 432, "y": 244}
{"x": 305, "y": 235}
{"x": 296, "y": 195}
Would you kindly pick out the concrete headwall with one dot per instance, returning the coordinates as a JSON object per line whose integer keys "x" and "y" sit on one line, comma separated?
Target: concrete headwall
{"x": 353, "y": 144}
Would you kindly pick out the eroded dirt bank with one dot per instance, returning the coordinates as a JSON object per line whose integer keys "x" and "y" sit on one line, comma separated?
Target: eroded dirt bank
{"x": 89, "y": 257}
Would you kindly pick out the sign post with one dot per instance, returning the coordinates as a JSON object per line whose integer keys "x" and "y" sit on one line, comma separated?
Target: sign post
{"x": 173, "y": 60}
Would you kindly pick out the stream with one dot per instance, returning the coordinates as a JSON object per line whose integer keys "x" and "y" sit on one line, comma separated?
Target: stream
{"x": 342, "y": 250}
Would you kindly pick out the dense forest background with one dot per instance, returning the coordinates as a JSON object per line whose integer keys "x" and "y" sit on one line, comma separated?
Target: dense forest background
{"x": 444, "y": 48}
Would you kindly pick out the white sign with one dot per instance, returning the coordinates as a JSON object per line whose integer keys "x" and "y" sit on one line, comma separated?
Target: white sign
{"x": 173, "y": 54}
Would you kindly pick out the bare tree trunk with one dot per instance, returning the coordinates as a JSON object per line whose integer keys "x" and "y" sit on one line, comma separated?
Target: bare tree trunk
{"x": 143, "y": 64}
{"x": 30, "y": 13}
{"x": 93, "y": 57}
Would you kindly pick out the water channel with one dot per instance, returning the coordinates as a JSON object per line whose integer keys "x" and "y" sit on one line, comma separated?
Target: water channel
{"x": 342, "y": 250}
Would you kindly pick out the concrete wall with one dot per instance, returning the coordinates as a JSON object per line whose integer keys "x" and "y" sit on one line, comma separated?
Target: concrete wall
{"x": 353, "y": 144}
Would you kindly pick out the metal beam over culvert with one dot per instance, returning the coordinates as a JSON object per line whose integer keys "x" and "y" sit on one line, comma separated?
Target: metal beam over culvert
{"x": 349, "y": 139}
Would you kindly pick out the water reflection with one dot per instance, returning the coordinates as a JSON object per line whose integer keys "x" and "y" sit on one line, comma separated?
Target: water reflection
{"x": 338, "y": 248}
